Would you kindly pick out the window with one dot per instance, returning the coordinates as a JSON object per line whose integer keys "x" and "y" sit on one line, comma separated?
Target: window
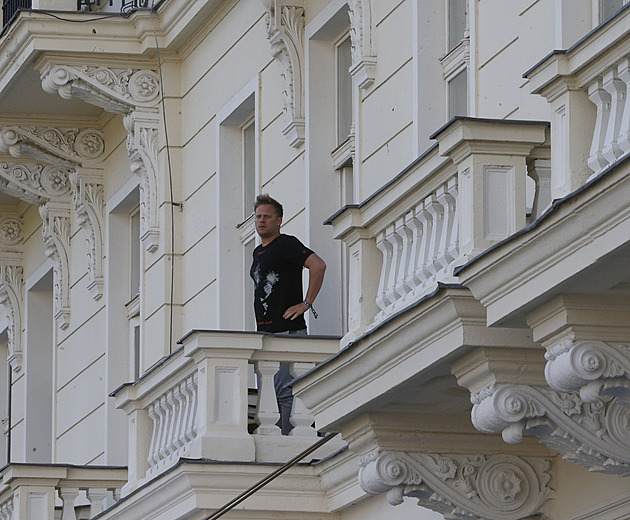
{"x": 343, "y": 53}
{"x": 607, "y": 8}
{"x": 456, "y": 61}
{"x": 456, "y": 22}
{"x": 458, "y": 95}
{"x": 248, "y": 143}
{"x": 134, "y": 254}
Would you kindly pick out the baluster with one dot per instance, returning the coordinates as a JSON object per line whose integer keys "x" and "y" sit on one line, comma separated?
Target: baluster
{"x": 163, "y": 452}
{"x": 267, "y": 413}
{"x": 68, "y": 497}
{"x": 453, "y": 241}
{"x": 623, "y": 71}
{"x": 413, "y": 224}
{"x": 159, "y": 439}
{"x": 601, "y": 99}
{"x": 153, "y": 446}
{"x": 96, "y": 496}
{"x": 437, "y": 213}
{"x": 180, "y": 429}
{"x": 386, "y": 250}
{"x": 396, "y": 244}
{"x": 110, "y": 499}
{"x": 402, "y": 287}
{"x": 616, "y": 89}
{"x": 447, "y": 202}
{"x": 301, "y": 418}
{"x": 188, "y": 411}
{"x": 191, "y": 430}
{"x": 426, "y": 220}
{"x": 173, "y": 404}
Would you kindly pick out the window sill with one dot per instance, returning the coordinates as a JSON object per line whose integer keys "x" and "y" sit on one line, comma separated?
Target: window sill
{"x": 133, "y": 307}
{"x": 456, "y": 59}
{"x": 343, "y": 155}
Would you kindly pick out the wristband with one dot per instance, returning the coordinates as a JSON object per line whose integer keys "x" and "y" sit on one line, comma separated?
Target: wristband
{"x": 310, "y": 306}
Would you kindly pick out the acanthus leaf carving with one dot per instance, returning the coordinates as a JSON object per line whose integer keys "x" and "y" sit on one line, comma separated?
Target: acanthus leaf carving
{"x": 594, "y": 434}
{"x": 363, "y": 48}
{"x": 463, "y": 486}
{"x": 89, "y": 204}
{"x": 143, "y": 147}
{"x": 285, "y": 32}
{"x": 117, "y": 90}
{"x": 56, "y": 234}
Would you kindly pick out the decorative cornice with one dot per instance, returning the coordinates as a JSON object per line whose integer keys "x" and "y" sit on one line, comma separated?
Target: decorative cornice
{"x": 33, "y": 182}
{"x": 143, "y": 147}
{"x": 56, "y": 234}
{"x": 593, "y": 368}
{"x": 89, "y": 204}
{"x": 363, "y": 49}
{"x": 495, "y": 487}
{"x": 595, "y": 435}
{"x": 12, "y": 285}
{"x": 285, "y": 32}
{"x": 61, "y": 147}
{"x": 112, "y": 89}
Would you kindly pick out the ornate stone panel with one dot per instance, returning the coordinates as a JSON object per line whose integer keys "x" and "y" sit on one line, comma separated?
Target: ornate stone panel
{"x": 32, "y": 182}
{"x": 89, "y": 204}
{"x": 363, "y": 49}
{"x": 12, "y": 285}
{"x": 285, "y": 32}
{"x": 497, "y": 487}
{"x": 593, "y": 434}
{"x": 117, "y": 90}
{"x": 56, "y": 234}
{"x": 142, "y": 147}
{"x": 593, "y": 368}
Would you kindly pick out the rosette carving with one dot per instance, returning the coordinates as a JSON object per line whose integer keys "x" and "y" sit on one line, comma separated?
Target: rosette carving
{"x": 591, "y": 367}
{"x": 115, "y": 90}
{"x": 34, "y": 182}
{"x": 285, "y": 32}
{"x": 89, "y": 204}
{"x": 361, "y": 37}
{"x": 61, "y": 147}
{"x": 143, "y": 147}
{"x": 463, "y": 486}
{"x": 56, "y": 235}
{"x": 593, "y": 434}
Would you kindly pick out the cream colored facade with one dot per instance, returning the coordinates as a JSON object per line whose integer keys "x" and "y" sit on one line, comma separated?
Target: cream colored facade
{"x": 462, "y": 166}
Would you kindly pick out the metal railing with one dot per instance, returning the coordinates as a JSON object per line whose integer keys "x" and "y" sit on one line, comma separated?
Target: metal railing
{"x": 10, "y": 7}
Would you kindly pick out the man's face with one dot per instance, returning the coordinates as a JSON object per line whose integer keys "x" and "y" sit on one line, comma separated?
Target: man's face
{"x": 267, "y": 221}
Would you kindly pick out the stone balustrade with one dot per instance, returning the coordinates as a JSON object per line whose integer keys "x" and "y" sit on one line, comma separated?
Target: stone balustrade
{"x": 36, "y": 491}
{"x": 195, "y": 403}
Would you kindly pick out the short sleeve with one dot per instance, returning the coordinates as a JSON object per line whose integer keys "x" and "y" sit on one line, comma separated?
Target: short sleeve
{"x": 296, "y": 252}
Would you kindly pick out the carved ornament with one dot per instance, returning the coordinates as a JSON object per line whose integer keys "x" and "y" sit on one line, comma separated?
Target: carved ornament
{"x": 361, "y": 36}
{"x": 34, "y": 183}
{"x": 285, "y": 32}
{"x": 56, "y": 235}
{"x": 89, "y": 204}
{"x": 595, "y": 434}
{"x": 496, "y": 487}
{"x": 112, "y": 89}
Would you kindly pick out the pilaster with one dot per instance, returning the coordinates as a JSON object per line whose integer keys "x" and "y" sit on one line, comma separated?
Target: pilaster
{"x": 285, "y": 32}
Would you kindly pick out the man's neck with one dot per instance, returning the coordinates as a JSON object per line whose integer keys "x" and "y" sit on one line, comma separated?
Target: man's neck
{"x": 268, "y": 240}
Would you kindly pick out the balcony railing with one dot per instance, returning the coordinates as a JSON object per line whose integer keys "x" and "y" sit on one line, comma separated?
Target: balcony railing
{"x": 195, "y": 404}
{"x": 10, "y": 7}
{"x": 35, "y": 491}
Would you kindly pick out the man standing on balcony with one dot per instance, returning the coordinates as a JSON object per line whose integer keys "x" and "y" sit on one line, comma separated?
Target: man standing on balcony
{"x": 279, "y": 303}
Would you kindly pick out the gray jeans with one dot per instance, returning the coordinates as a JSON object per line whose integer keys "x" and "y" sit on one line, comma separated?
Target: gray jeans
{"x": 284, "y": 395}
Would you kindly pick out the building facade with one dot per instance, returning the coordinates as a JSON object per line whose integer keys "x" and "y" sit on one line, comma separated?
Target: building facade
{"x": 463, "y": 168}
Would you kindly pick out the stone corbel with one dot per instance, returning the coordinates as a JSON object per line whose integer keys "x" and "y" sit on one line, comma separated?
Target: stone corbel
{"x": 89, "y": 205}
{"x": 468, "y": 487}
{"x": 12, "y": 285}
{"x": 285, "y": 32}
{"x": 142, "y": 147}
{"x": 363, "y": 67}
{"x": 56, "y": 234}
{"x": 117, "y": 90}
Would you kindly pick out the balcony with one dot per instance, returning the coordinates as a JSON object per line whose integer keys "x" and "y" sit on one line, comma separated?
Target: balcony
{"x": 195, "y": 403}
{"x": 10, "y": 7}
{"x": 50, "y": 491}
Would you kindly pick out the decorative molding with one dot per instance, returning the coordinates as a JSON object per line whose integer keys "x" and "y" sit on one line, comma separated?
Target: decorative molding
{"x": 593, "y": 368}
{"x": 61, "y": 147}
{"x": 89, "y": 204}
{"x": 143, "y": 147}
{"x": 285, "y": 32}
{"x": 12, "y": 285}
{"x": 495, "y": 487}
{"x": 56, "y": 234}
{"x": 33, "y": 182}
{"x": 595, "y": 435}
{"x": 112, "y": 89}
{"x": 363, "y": 67}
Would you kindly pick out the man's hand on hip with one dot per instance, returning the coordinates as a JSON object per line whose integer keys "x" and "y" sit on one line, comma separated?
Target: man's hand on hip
{"x": 294, "y": 311}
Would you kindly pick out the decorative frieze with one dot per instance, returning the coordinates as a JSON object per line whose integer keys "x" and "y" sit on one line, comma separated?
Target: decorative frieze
{"x": 56, "y": 235}
{"x": 363, "y": 49}
{"x": 469, "y": 487}
{"x": 595, "y": 435}
{"x": 89, "y": 204}
{"x": 285, "y": 32}
{"x": 143, "y": 147}
{"x": 117, "y": 90}
{"x": 34, "y": 182}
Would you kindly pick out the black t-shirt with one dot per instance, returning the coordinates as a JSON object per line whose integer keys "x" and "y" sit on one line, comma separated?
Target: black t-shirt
{"x": 277, "y": 274}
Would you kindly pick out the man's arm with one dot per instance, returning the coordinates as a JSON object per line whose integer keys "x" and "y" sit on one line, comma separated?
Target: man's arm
{"x": 316, "y": 269}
